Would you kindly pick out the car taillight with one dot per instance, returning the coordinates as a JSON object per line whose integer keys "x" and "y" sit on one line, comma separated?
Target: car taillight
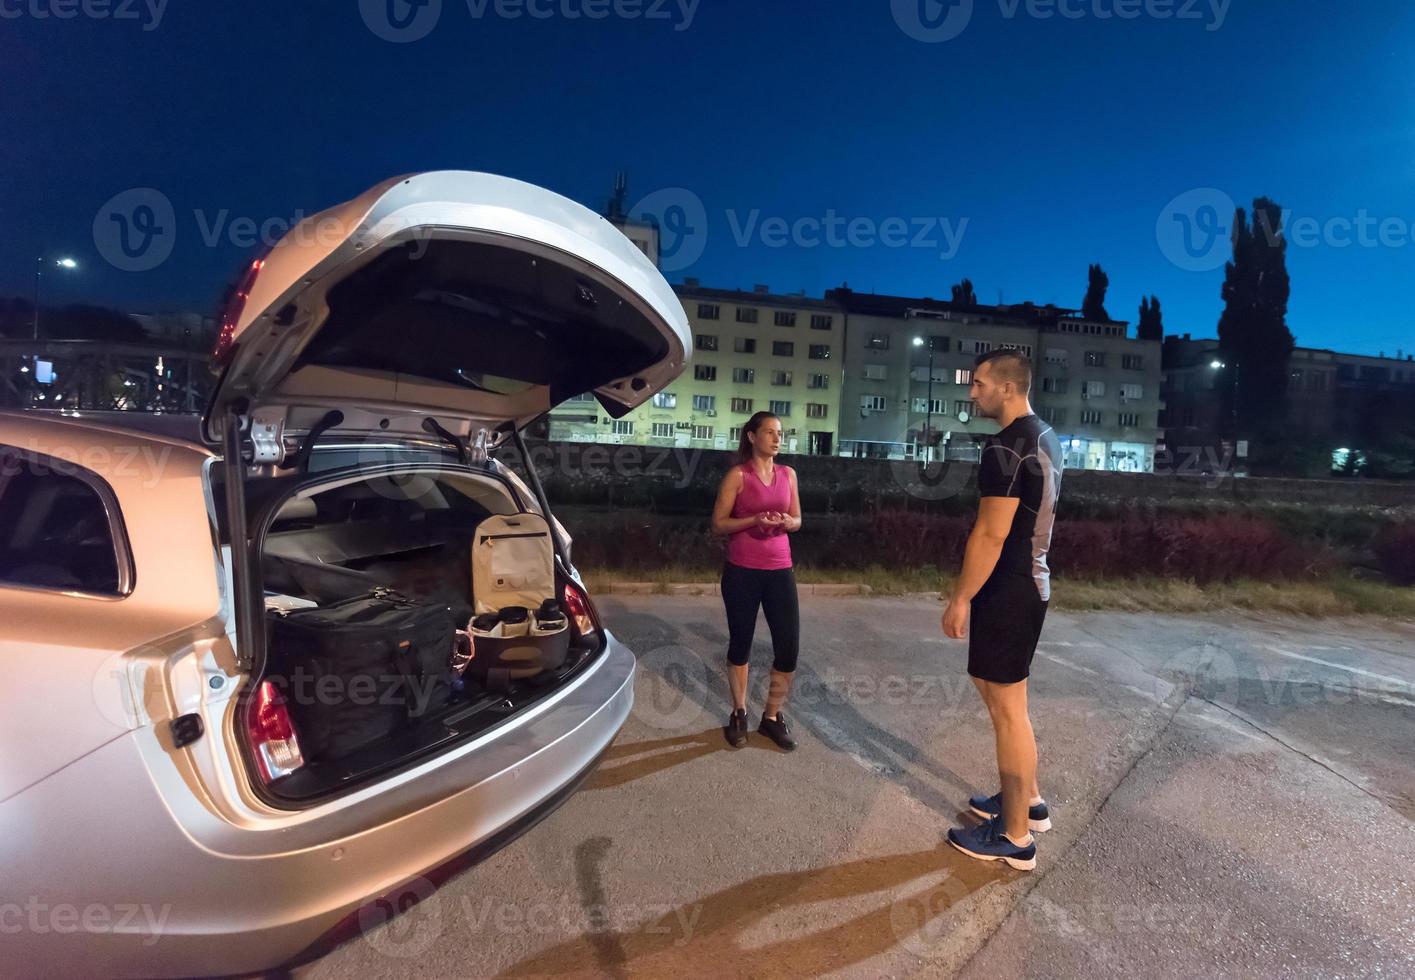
{"x": 272, "y": 737}
{"x": 225, "y": 340}
{"x": 577, "y": 607}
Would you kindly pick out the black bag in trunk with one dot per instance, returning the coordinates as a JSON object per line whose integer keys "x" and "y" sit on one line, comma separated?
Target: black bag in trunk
{"x": 360, "y": 669}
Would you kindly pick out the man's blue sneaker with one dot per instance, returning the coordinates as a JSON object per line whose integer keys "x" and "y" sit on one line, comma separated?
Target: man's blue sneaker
{"x": 986, "y": 842}
{"x": 990, "y": 808}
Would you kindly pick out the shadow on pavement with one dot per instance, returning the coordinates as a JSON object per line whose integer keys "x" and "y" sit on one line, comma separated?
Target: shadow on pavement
{"x": 719, "y": 935}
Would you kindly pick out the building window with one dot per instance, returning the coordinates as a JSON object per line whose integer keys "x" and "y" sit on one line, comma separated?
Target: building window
{"x": 820, "y": 352}
{"x": 1024, "y": 349}
{"x": 1129, "y": 419}
{"x": 665, "y": 399}
{"x": 876, "y": 372}
{"x": 706, "y": 341}
{"x": 1092, "y": 389}
{"x": 1095, "y": 358}
{"x": 974, "y": 346}
{"x": 746, "y": 314}
{"x": 877, "y": 341}
{"x": 783, "y": 348}
{"x": 1089, "y": 416}
{"x": 1056, "y": 355}
{"x": 937, "y": 406}
{"x": 872, "y": 403}
{"x": 780, "y": 408}
{"x": 1055, "y": 386}
{"x": 1131, "y": 392}
{"x": 820, "y": 381}
{"x": 709, "y": 311}
{"x": 821, "y": 321}
{"x": 940, "y": 345}
{"x": 742, "y": 405}
{"x": 663, "y": 430}
{"x": 785, "y": 318}
{"x": 1317, "y": 381}
{"x": 962, "y": 376}
{"x": 62, "y": 535}
{"x": 781, "y": 377}
{"x": 622, "y": 427}
{"x": 704, "y": 403}
{"x": 816, "y": 410}
{"x": 744, "y": 376}
{"x": 1056, "y": 416}
{"x": 1133, "y": 362}
{"x": 745, "y": 345}
{"x": 702, "y": 432}
{"x": 734, "y": 434}
{"x": 959, "y": 407}
{"x": 704, "y": 372}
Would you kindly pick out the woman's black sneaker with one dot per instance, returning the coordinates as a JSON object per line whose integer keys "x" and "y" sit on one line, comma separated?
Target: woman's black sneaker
{"x": 736, "y": 728}
{"x": 776, "y": 730}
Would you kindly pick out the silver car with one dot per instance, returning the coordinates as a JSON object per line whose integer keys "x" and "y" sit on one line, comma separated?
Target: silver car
{"x": 157, "y": 814}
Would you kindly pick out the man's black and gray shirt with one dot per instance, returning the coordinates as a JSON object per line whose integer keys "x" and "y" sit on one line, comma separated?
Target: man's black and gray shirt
{"x": 1024, "y": 461}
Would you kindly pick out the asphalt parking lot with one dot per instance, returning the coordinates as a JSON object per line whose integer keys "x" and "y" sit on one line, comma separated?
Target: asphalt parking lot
{"x": 1231, "y": 797}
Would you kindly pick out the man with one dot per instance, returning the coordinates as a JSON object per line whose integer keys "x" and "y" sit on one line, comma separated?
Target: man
{"x": 1004, "y": 589}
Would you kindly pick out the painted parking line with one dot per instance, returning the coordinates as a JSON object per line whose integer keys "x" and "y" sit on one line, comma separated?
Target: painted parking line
{"x": 1328, "y": 663}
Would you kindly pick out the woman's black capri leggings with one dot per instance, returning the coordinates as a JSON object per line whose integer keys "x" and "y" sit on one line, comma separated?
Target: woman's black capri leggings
{"x": 743, "y": 590}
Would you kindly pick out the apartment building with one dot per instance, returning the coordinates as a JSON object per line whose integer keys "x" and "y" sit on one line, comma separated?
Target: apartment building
{"x": 1097, "y": 387}
{"x": 753, "y": 351}
{"x": 1329, "y": 393}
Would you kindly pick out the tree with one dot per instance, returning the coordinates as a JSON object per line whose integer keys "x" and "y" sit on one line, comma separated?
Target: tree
{"x": 1254, "y": 340}
{"x": 963, "y": 294}
{"x": 1150, "y": 325}
{"x": 1093, "y": 306}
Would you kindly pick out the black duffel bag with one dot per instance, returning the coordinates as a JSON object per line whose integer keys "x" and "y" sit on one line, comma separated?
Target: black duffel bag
{"x": 360, "y": 669}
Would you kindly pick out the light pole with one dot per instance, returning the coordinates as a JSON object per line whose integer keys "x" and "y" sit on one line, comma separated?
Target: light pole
{"x": 63, "y": 263}
{"x": 929, "y": 406}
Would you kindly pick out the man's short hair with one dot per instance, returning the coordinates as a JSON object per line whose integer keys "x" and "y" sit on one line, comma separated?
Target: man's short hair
{"x": 1009, "y": 364}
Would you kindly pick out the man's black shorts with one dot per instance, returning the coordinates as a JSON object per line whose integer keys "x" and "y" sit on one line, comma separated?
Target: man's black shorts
{"x": 1005, "y": 624}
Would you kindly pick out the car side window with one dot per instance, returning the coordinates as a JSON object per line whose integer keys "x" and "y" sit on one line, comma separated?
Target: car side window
{"x": 59, "y": 527}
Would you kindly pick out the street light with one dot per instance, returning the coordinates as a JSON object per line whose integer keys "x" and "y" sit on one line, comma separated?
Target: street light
{"x": 928, "y": 408}
{"x": 62, "y": 263}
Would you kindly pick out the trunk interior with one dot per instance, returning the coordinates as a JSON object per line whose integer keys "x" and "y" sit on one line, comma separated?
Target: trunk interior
{"x": 356, "y": 538}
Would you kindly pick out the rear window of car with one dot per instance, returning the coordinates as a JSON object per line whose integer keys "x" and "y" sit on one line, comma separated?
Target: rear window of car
{"x": 59, "y": 527}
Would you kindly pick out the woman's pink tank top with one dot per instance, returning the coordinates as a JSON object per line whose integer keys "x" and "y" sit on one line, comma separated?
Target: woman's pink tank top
{"x": 758, "y": 547}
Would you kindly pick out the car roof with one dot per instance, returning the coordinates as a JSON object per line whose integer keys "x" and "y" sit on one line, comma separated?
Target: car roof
{"x": 85, "y": 431}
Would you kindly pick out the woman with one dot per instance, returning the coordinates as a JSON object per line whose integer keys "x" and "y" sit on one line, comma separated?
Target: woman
{"x": 757, "y": 505}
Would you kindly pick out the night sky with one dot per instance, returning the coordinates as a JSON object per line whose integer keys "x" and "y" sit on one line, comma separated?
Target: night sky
{"x": 1014, "y": 153}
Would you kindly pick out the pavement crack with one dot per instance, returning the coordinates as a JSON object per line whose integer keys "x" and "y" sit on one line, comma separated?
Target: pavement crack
{"x": 1142, "y": 747}
{"x": 1251, "y": 723}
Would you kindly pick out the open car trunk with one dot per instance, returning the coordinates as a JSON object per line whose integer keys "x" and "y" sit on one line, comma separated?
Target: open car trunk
{"x": 330, "y": 709}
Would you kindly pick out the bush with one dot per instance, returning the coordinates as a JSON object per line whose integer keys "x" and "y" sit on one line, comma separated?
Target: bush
{"x": 1396, "y": 552}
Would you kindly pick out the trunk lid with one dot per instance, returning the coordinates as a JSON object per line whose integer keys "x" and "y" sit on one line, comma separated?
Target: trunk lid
{"x": 449, "y": 300}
